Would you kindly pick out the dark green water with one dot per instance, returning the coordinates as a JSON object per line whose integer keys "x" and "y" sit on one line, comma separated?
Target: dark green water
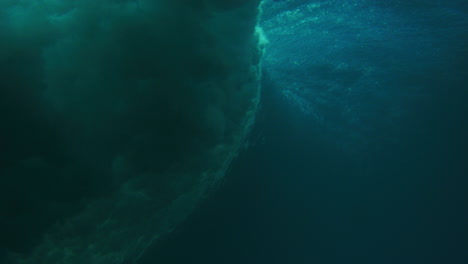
{"x": 361, "y": 147}
{"x": 359, "y": 153}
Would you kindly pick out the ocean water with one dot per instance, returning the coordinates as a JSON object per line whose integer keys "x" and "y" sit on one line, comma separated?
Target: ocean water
{"x": 358, "y": 153}
{"x": 360, "y": 150}
{"x": 117, "y": 119}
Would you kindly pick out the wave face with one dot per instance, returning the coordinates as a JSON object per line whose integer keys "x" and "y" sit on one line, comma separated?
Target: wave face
{"x": 117, "y": 118}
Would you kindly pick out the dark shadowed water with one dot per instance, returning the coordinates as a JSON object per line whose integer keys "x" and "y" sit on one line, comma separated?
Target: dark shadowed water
{"x": 360, "y": 152}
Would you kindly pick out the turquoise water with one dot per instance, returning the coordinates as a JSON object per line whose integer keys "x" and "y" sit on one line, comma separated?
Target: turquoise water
{"x": 360, "y": 149}
{"x": 358, "y": 154}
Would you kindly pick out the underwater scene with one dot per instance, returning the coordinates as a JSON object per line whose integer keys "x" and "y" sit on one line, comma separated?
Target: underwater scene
{"x": 233, "y": 131}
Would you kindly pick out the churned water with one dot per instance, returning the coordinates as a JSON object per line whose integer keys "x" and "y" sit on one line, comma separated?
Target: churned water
{"x": 360, "y": 152}
{"x": 127, "y": 132}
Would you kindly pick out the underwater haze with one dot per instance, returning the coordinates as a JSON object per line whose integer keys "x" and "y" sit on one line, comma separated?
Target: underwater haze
{"x": 360, "y": 149}
{"x": 118, "y": 118}
{"x": 234, "y": 131}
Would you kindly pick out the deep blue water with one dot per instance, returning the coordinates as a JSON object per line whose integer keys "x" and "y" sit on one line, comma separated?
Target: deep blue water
{"x": 360, "y": 152}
